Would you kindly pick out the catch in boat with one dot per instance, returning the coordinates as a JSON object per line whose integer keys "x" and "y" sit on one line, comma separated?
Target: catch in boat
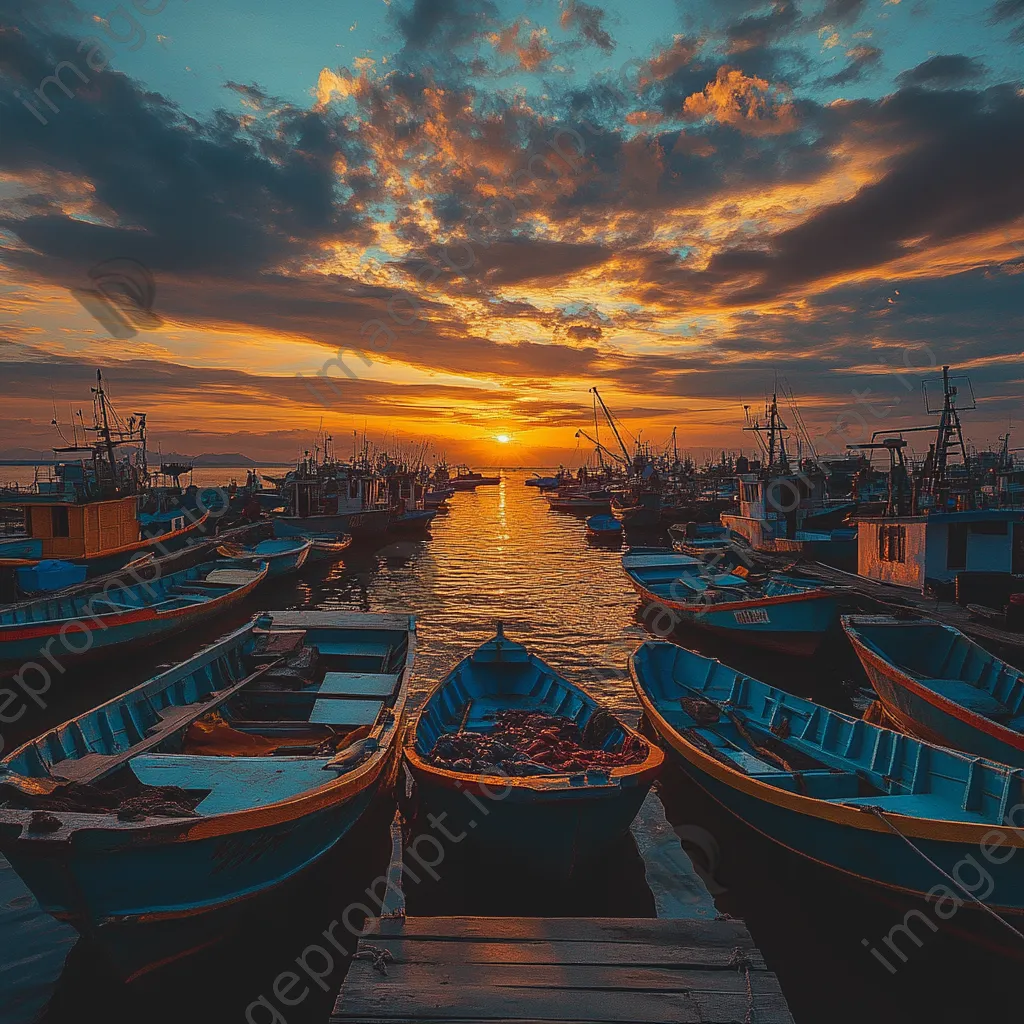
{"x": 777, "y": 612}
{"x": 209, "y": 784}
{"x": 282, "y": 557}
{"x": 872, "y": 803}
{"x": 121, "y": 610}
{"x": 940, "y": 685}
{"x": 559, "y": 778}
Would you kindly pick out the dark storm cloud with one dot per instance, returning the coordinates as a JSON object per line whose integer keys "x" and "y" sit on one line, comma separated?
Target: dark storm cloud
{"x": 943, "y": 71}
{"x": 757, "y": 31}
{"x": 961, "y": 177}
{"x": 186, "y": 195}
{"x": 842, "y": 12}
{"x": 443, "y": 23}
{"x": 588, "y": 21}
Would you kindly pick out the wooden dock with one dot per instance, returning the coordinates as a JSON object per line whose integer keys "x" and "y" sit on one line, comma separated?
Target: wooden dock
{"x": 889, "y": 598}
{"x": 690, "y": 965}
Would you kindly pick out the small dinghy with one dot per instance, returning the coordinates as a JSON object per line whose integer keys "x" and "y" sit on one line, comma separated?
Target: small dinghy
{"x": 875, "y": 804}
{"x": 936, "y": 683}
{"x": 122, "y": 610}
{"x": 604, "y": 528}
{"x": 328, "y": 548}
{"x": 281, "y": 556}
{"x": 527, "y": 764}
{"x": 148, "y": 822}
{"x": 781, "y": 613}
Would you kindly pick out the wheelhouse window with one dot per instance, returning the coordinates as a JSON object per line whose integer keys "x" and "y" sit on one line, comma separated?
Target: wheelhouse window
{"x": 892, "y": 543}
{"x": 59, "y": 521}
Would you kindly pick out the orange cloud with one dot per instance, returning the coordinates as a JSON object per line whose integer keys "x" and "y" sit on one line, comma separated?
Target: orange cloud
{"x": 749, "y": 104}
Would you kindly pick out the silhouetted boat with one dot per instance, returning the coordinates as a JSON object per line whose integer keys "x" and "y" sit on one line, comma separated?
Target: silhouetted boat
{"x": 606, "y": 528}
{"x": 580, "y": 502}
{"x": 276, "y": 739}
{"x": 122, "y": 611}
{"x": 548, "y": 820}
{"x": 937, "y": 683}
{"x": 875, "y": 804}
{"x": 778, "y": 612}
{"x": 328, "y": 549}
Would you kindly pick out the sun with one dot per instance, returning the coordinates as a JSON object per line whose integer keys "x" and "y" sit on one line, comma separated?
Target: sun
{"x": 502, "y": 438}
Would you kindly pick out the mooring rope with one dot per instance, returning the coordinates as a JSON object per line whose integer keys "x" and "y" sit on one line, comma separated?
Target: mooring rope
{"x": 880, "y": 814}
{"x": 740, "y": 960}
{"x": 378, "y": 957}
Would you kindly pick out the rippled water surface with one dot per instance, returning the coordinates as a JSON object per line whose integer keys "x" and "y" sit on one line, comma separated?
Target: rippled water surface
{"x": 500, "y": 554}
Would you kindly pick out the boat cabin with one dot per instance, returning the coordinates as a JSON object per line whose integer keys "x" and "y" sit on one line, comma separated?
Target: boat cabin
{"x": 912, "y": 551}
{"x": 775, "y": 507}
{"x": 63, "y": 529}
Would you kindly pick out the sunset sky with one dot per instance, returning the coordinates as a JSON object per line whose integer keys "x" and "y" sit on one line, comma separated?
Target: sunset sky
{"x": 490, "y": 206}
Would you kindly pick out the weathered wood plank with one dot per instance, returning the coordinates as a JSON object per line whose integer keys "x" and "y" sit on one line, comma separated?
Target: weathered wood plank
{"x": 569, "y": 929}
{"x": 458, "y": 1003}
{"x": 598, "y": 954}
{"x": 552, "y": 975}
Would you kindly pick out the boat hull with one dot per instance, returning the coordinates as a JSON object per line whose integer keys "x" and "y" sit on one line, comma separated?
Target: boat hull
{"x": 793, "y": 624}
{"x": 134, "y": 897}
{"x": 27, "y": 644}
{"x": 368, "y": 525}
{"x": 552, "y": 834}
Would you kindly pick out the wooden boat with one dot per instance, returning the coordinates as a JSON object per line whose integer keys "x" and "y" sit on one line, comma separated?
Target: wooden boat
{"x": 604, "y": 528}
{"x": 936, "y": 683}
{"x": 778, "y": 612}
{"x": 277, "y": 738}
{"x": 700, "y": 540}
{"x": 580, "y": 502}
{"x": 89, "y": 620}
{"x": 544, "y": 482}
{"x": 328, "y": 549}
{"x": 282, "y": 557}
{"x": 551, "y": 821}
{"x": 831, "y": 547}
{"x": 864, "y": 800}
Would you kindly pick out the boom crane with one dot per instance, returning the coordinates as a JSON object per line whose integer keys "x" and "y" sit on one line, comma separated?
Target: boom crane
{"x": 615, "y": 430}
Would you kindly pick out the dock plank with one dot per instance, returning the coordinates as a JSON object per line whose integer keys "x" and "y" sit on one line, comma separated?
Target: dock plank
{"x": 600, "y": 970}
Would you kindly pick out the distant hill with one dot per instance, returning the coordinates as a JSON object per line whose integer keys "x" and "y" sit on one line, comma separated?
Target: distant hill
{"x": 215, "y": 459}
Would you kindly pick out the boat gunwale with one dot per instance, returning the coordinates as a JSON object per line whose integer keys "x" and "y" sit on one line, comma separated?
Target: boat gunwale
{"x": 859, "y": 816}
{"x": 704, "y": 608}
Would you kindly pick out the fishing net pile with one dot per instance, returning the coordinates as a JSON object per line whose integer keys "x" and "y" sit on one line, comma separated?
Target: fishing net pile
{"x": 130, "y": 802}
{"x": 527, "y": 743}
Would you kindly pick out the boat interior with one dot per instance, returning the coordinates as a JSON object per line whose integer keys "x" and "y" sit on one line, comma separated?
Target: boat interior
{"x": 253, "y": 720}
{"x": 799, "y": 746}
{"x": 501, "y": 676}
{"x": 944, "y": 660}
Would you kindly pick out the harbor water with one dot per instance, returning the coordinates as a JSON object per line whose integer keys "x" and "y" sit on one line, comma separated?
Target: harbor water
{"x": 501, "y": 555}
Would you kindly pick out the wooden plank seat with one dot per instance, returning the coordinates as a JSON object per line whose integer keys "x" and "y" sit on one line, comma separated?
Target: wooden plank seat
{"x": 345, "y": 712}
{"x": 353, "y": 650}
{"x": 359, "y": 684}
{"x": 235, "y": 783}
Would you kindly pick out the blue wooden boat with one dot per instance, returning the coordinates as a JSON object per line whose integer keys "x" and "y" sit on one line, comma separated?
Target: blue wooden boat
{"x": 781, "y": 613}
{"x": 366, "y": 525}
{"x": 121, "y": 611}
{"x": 278, "y": 737}
{"x": 856, "y": 797}
{"x": 938, "y": 684}
{"x": 547, "y": 822}
{"x": 543, "y": 482}
{"x": 605, "y": 527}
{"x": 282, "y": 557}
